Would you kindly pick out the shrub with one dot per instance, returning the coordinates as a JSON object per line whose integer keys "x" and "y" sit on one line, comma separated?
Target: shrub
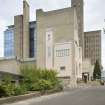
{"x": 7, "y": 85}
{"x": 2, "y": 91}
{"x": 50, "y": 75}
{"x": 9, "y": 88}
{"x": 42, "y": 85}
{"x": 33, "y": 80}
{"x": 30, "y": 74}
{"x": 39, "y": 79}
{"x": 20, "y": 89}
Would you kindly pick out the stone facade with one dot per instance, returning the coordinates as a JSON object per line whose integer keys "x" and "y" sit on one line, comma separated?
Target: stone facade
{"x": 9, "y": 65}
{"x": 93, "y": 46}
{"x": 61, "y": 22}
{"x": 80, "y": 62}
{"x": 63, "y": 53}
{"x": 13, "y": 65}
{"x": 79, "y": 5}
{"x": 87, "y": 67}
{"x": 61, "y": 28}
{"x": 60, "y": 42}
{"x": 25, "y": 30}
{"x": 21, "y": 39}
{"x": 18, "y": 36}
{"x": 21, "y": 44}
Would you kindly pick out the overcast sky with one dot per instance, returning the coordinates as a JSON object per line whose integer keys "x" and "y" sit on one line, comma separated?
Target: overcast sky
{"x": 94, "y": 14}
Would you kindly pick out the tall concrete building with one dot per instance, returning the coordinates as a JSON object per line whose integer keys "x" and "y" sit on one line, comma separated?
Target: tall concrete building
{"x": 19, "y": 44}
{"x": 11, "y": 44}
{"x": 25, "y": 29}
{"x": 91, "y": 50}
{"x": 18, "y": 36}
{"x": 93, "y": 46}
{"x": 21, "y": 31}
{"x": 79, "y": 5}
{"x": 57, "y": 42}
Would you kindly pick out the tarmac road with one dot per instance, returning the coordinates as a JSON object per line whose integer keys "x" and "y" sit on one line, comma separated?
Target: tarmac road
{"x": 85, "y": 96}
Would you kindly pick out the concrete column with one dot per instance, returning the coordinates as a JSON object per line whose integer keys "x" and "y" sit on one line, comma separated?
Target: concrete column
{"x": 18, "y": 36}
{"x": 25, "y": 29}
{"x": 78, "y": 4}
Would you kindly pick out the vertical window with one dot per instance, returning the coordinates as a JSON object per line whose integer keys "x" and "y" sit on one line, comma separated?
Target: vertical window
{"x": 9, "y": 43}
{"x": 49, "y": 37}
{"x": 32, "y": 42}
{"x": 49, "y": 51}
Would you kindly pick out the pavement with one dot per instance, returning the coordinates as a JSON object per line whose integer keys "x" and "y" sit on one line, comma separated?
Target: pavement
{"x": 94, "y": 95}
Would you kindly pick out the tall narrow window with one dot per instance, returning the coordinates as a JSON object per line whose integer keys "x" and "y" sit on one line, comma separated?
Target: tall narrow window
{"x": 49, "y": 48}
{"x": 49, "y": 51}
{"x": 49, "y": 37}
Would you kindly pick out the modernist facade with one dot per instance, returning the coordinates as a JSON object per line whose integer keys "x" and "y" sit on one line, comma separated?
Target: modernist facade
{"x": 9, "y": 42}
{"x": 79, "y": 5}
{"x": 87, "y": 69}
{"x": 20, "y": 44}
{"x": 58, "y": 42}
{"x": 93, "y": 46}
{"x": 21, "y": 24}
{"x": 54, "y": 41}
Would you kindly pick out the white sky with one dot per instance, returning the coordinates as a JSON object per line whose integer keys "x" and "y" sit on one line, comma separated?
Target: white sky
{"x": 94, "y": 15}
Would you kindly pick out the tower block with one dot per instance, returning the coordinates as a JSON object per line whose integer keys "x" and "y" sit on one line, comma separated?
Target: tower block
{"x": 78, "y": 4}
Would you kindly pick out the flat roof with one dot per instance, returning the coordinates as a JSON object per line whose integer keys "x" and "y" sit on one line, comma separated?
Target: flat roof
{"x": 92, "y": 31}
{"x": 31, "y": 22}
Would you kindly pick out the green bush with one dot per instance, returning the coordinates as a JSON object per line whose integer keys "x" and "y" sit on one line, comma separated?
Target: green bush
{"x": 20, "y": 89}
{"x": 49, "y": 75}
{"x": 42, "y": 85}
{"x": 31, "y": 76}
{"x": 33, "y": 80}
{"x": 9, "y": 89}
{"x": 39, "y": 79}
{"x": 2, "y": 91}
{"x": 7, "y": 85}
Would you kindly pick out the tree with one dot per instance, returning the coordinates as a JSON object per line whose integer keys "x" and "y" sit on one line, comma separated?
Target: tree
{"x": 97, "y": 71}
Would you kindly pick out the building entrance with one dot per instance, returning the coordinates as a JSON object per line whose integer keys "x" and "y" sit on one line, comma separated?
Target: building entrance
{"x": 85, "y": 77}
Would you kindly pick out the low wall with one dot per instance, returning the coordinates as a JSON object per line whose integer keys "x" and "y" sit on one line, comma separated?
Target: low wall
{"x": 12, "y": 66}
{"x": 26, "y": 96}
{"x": 9, "y": 65}
{"x": 18, "y": 98}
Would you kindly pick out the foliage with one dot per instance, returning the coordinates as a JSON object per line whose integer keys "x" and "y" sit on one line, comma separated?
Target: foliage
{"x": 30, "y": 74}
{"x": 42, "y": 85}
{"x": 2, "y": 91}
{"x": 97, "y": 71}
{"x": 7, "y": 87}
{"x": 39, "y": 79}
{"x": 33, "y": 80}
{"x": 20, "y": 89}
